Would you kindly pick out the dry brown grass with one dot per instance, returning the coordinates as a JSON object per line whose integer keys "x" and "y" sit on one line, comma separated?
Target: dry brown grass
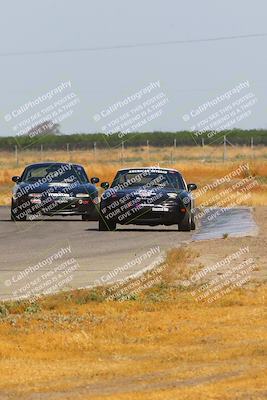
{"x": 163, "y": 345}
{"x": 200, "y": 165}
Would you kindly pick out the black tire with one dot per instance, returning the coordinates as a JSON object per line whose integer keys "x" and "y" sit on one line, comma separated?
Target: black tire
{"x": 193, "y": 224}
{"x": 104, "y": 225}
{"x": 86, "y": 218}
{"x": 15, "y": 218}
{"x": 185, "y": 224}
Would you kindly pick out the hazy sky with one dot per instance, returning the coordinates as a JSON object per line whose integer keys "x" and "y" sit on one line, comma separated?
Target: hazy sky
{"x": 190, "y": 74}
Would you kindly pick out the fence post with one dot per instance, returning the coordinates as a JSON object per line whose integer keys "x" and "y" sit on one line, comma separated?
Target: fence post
{"x": 16, "y": 156}
{"x": 224, "y": 149}
{"x": 252, "y": 146}
{"x": 122, "y": 152}
{"x": 42, "y": 148}
{"x": 174, "y": 148}
{"x": 68, "y": 151}
{"x": 94, "y": 150}
{"x": 148, "y": 153}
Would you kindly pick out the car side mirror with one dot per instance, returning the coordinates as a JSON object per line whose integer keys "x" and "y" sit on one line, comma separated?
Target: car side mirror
{"x": 15, "y": 178}
{"x": 105, "y": 185}
{"x": 191, "y": 186}
{"x": 94, "y": 180}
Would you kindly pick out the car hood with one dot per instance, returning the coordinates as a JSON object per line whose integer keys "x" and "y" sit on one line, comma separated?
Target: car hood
{"x": 58, "y": 187}
{"x": 141, "y": 192}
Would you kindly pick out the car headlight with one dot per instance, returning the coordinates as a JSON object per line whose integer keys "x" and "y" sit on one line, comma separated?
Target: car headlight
{"x": 172, "y": 195}
{"x": 82, "y": 195}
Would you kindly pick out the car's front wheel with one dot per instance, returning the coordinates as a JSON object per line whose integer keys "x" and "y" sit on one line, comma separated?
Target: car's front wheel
{"x": 193, "y": 224}
{"x": 86, "y": 218}
{"x": 15, "y": 217}
{"x": 185, "y": 223}
{"x": 104, "y": 225}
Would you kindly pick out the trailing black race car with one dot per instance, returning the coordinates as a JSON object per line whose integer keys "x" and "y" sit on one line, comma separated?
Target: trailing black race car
{"x": 147, "y": 196}
{"x": 54, "y": 189}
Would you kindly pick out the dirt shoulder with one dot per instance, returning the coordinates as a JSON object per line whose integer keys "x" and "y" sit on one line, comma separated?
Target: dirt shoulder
{"x": 212, "y": 251}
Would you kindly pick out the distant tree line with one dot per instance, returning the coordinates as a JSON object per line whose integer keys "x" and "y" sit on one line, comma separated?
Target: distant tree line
{"x": 87, "y": 141}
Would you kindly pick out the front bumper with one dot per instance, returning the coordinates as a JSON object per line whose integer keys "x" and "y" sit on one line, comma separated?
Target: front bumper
{"x": 156, "y": 214}
{"x": 50, "y": 206}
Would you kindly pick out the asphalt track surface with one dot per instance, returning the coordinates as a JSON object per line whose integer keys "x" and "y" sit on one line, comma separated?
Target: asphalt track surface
{"x": 65, "y": 252}
{"x": 25, "y": 244}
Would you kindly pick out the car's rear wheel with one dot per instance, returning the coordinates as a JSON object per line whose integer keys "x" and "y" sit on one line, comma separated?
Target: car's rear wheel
{"x": 185, "y": 223}
{"x": 104, "y": 225}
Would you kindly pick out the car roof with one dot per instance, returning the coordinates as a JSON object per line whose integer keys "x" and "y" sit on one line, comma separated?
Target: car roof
{"x": 39, "y": 164}
{"x": 153, "y": 168}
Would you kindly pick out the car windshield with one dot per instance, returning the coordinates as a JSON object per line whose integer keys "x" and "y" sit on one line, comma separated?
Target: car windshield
{"x": 149, "y": 178}
{"x": 55, "y": 173}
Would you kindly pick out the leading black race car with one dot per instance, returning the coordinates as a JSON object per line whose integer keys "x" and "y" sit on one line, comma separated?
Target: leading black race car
{"x": 147, "y": 196}
{"x": 54, "y": 189}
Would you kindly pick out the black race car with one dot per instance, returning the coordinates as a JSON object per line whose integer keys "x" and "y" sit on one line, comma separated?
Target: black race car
{"x": 147, "y": 196}
{"x": 54, "y": 189}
